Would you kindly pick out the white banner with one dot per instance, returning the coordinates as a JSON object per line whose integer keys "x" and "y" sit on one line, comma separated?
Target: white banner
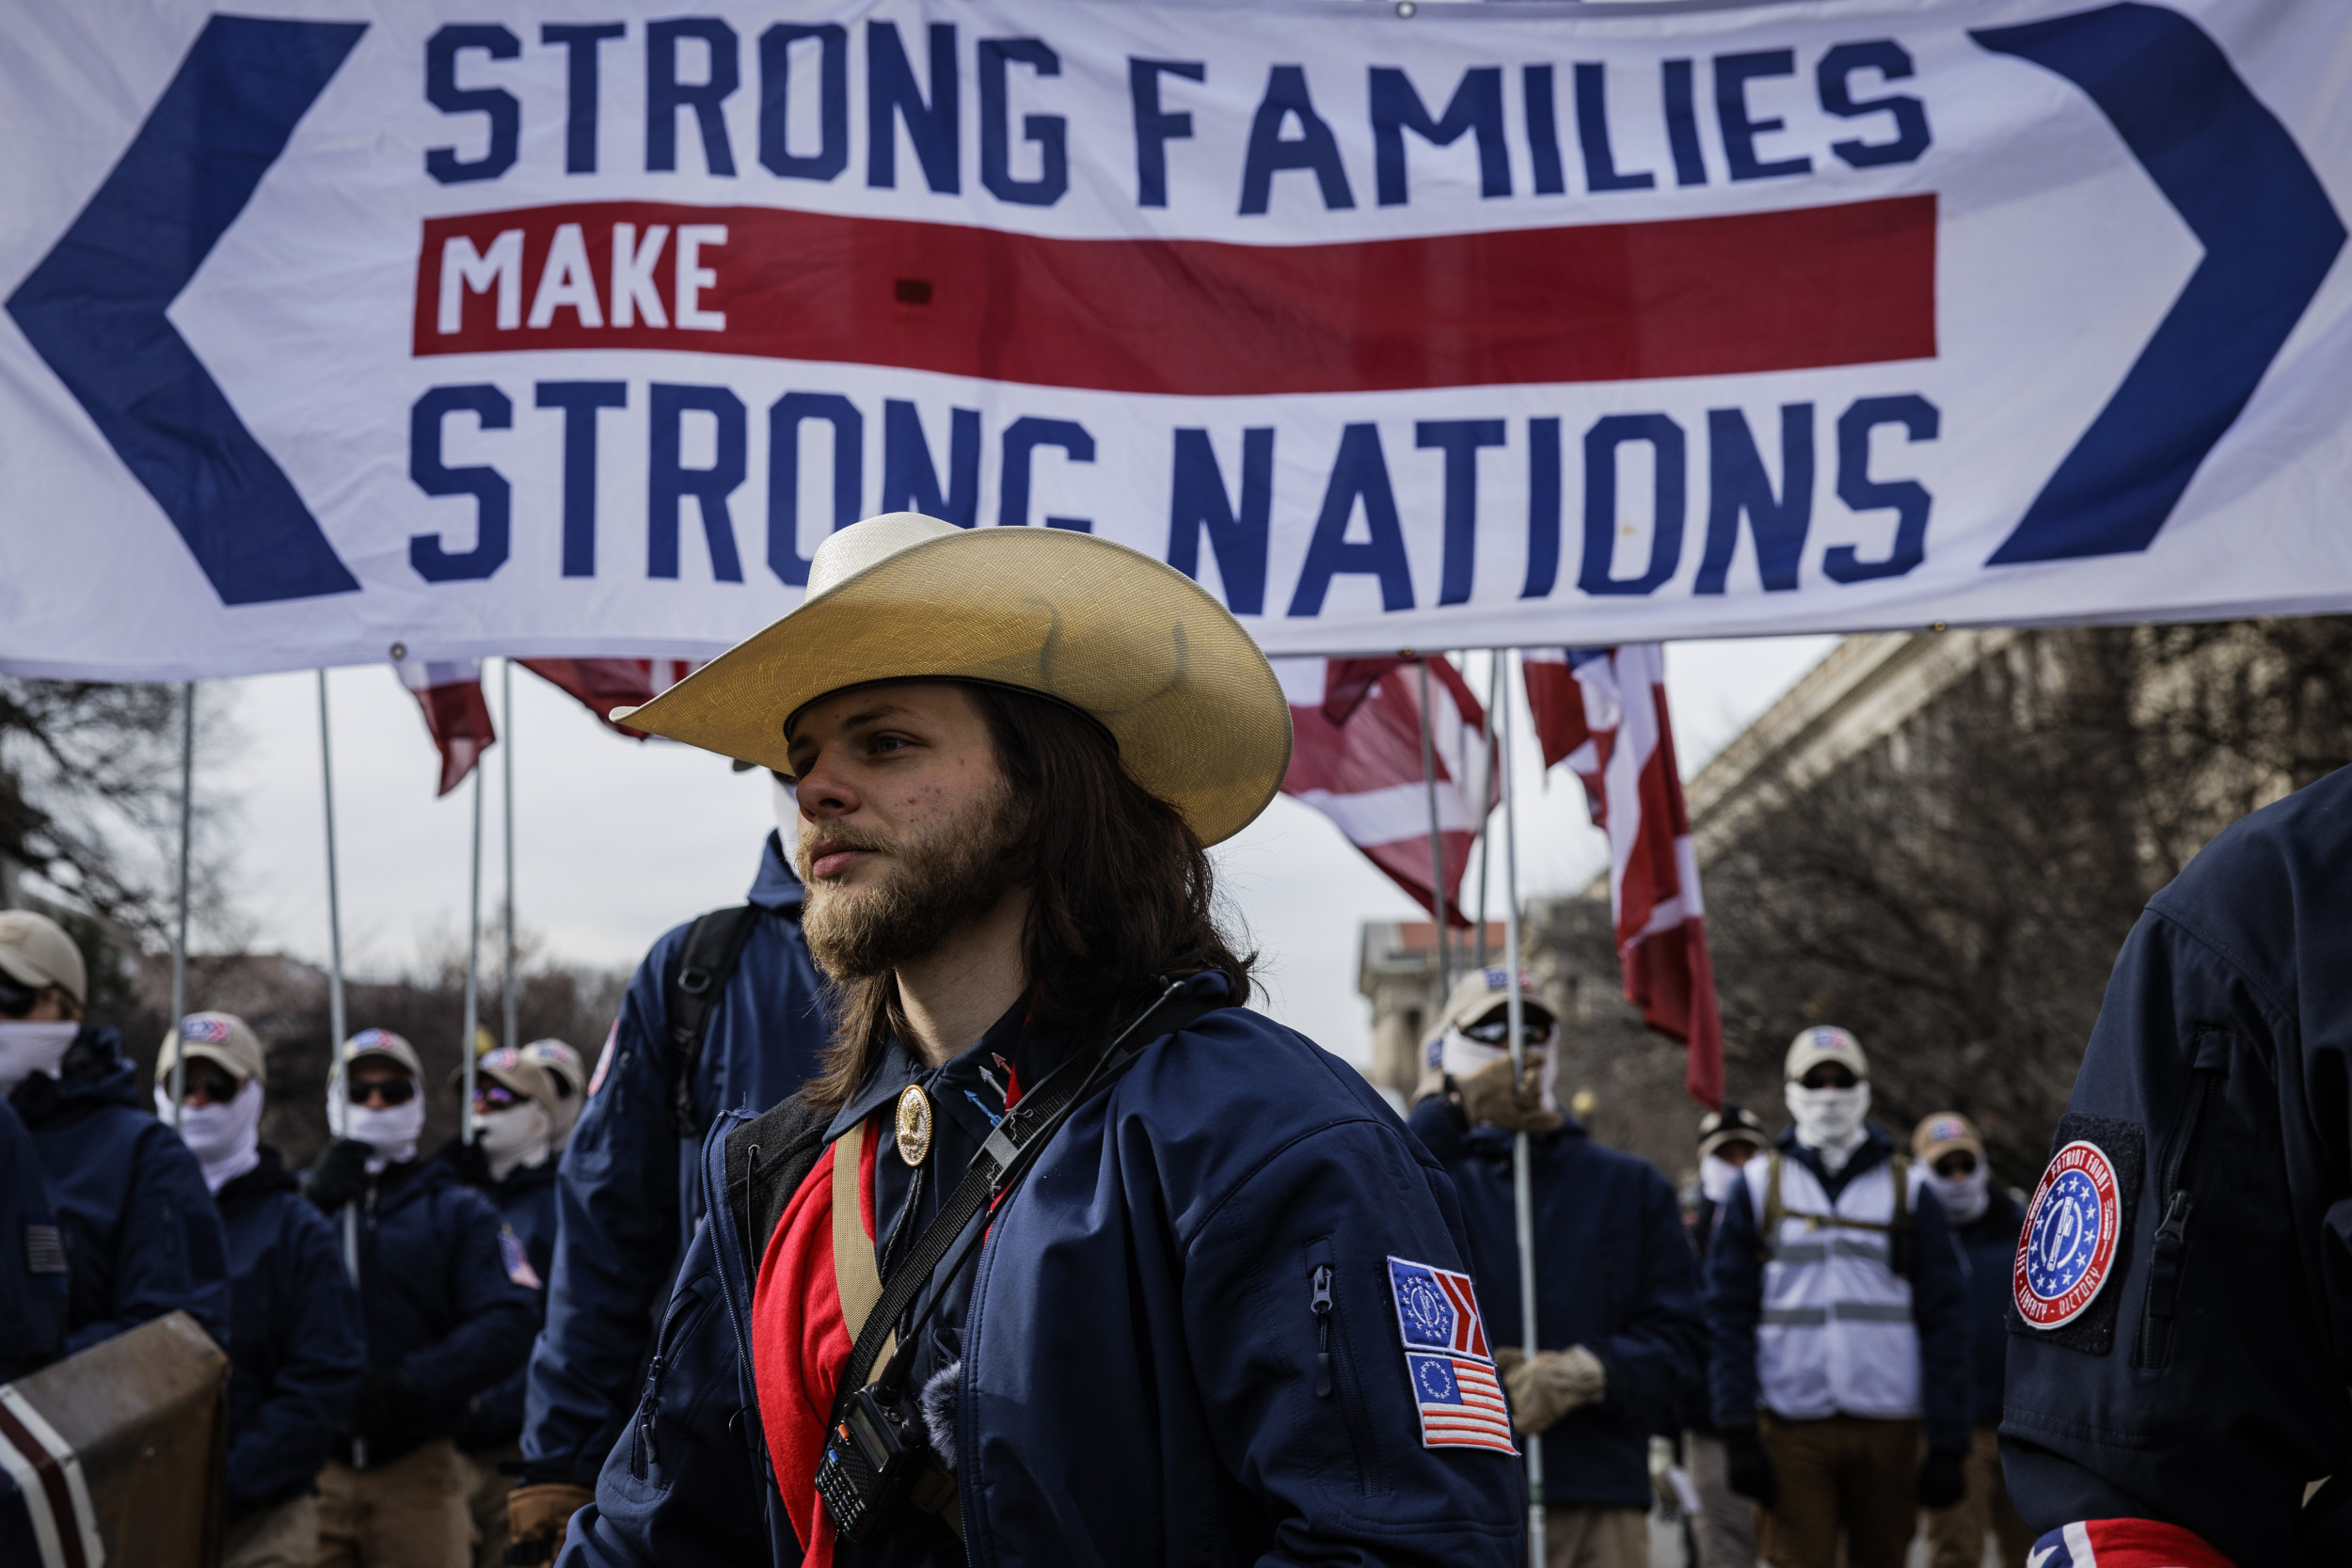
{"x": 455, "y": 327}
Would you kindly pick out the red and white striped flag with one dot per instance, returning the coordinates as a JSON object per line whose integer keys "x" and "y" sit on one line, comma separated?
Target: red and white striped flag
{"x": 602, "y": 685}
{"x": 1604, "y": 711}
{"x": 457, "y": 715}
{"x": 1357, "y": 759}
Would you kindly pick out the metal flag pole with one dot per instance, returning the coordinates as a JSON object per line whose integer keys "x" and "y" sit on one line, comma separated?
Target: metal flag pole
{"x": 335, "y": 1016}
{"x": 1486, "y": 791}
{"x": 1522, "y": 1188}
{"x": 506, "y": 711}
{"x": 473, "y": 969}
{"x": 180, "y": 932}
{"x": 1436, "y": 846}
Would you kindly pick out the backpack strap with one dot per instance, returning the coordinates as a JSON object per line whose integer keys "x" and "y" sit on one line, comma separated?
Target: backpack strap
{"x": 1768, "y": 1228}
{"x": 1901, "y": 1242}
{"x": 706, "y": 962}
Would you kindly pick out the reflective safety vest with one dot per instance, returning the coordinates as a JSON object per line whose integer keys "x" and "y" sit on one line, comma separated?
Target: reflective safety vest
{"x": 1835, "y": 1336}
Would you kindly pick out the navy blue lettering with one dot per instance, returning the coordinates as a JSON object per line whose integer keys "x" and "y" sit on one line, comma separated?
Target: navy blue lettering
{"x": 1733, "y": 72}
{"x": 1737, "y": 483}
{"x": 1543, "y": 508}
{"x": 1592, "y": 133}
{"x": 579, "y": 400}
{"x": 1197, "y": 504}
{"x": 1682, "y": 124}
{"x": 910, "y": 484}
{"x": 1543, "y": 129}
{"x": 1910, "y": 116}
{"x": 1270, "y": 152}
{"x": 785, "y": 418}
{"x": 1460, "y": 440}
{"x": 1050, "y": 132}
{"x": 832, "y": 100}
{"x": 442, "y": 91}
{"x": 1023, "y": 438}
{"x": 1922, "y": 421}
{"x": 669, "y": 481}
{"x": 1664, "y": 440}
{"x": 1361, "y": 471}
{"x": 1475, "y": 108}
{"x": 665, "y": 95}
{"x": 579, "y": 40}
{"x": 1156, "y": 127}
{"x": 488, "y": 487}
{"x": 891, "y": 96}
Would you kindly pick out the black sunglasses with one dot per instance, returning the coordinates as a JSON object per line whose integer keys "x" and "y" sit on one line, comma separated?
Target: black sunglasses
{"x": 1829, "y": 1075}
{"x": 214, "y": 1086}
{"x": 396, "y": 1091}
{"x": 494, "y": 1097}
{"x": 16, "y": 1000}
{"x": 1494, "y": 1031}
{"x": 1958, "y": 1163}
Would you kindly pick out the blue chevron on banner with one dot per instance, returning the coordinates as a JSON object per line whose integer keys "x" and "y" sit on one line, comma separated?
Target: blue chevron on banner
{"x": 94, "y": 307}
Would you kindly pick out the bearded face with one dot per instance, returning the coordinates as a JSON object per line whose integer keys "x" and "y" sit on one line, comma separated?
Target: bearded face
{"x": 914, "y": 888}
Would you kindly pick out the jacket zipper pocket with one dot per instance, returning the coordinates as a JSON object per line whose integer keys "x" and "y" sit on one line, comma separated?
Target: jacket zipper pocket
{"x": 1322, "y": 1308}
{"x": 1335, "y": 1369}
{"x": 685, "y": 1310}
{"x": 2168, "y": 1247}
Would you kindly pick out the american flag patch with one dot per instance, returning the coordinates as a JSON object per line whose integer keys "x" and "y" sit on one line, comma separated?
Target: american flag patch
{"x": 517, "y": 1262}
{"x": 204, "y": 1031}
{"x": 1447, "y": 1360}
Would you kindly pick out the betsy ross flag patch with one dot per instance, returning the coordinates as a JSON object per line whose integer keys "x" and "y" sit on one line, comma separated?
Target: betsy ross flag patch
{"x": 517, "y": 1262}
{"x": 1447, "y": 1359}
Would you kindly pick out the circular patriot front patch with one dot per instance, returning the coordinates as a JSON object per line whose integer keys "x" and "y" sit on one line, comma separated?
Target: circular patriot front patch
{"x": 2067, "y": 1248}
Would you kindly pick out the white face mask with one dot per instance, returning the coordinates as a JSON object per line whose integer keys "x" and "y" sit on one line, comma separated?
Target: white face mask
{"x": 1964, "y": 1197}
{"x": 1460, "y": 1057}
{"x": 225, "y": 1139}
{"x": 1717, "y": 1177}
{"x": 392, "y": 1131}
{"x": 29, "y": 1048}
{"x": 1829, "y": 1120}
{"x": 516, "y": 1136}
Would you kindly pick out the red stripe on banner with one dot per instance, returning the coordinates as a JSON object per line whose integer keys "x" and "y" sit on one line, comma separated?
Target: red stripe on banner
{"x": 1722, "y": 295}
{"x": 64, "y": 1517}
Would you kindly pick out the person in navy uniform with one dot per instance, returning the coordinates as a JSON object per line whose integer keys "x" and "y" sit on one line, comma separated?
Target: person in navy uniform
{"x": 296, "y": 1349}
{"x": 139, "y": 1232}
{"x": 1723, "y": 1530}
{"x": 2180, "y": 1333}
{"x": 1617, "y": 1288}
{"x": 1985, "y": 1221}
{"x": 627, "y": 1192}
{"x": 1226, "y": 1316}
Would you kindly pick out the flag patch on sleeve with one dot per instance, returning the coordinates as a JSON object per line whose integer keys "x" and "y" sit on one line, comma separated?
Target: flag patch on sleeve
{"x": 1447, "y": 1359}
{"x": 517, "y": 1262}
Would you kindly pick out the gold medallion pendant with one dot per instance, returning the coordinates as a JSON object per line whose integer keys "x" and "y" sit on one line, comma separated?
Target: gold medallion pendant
{"x": 915, "y": 1126}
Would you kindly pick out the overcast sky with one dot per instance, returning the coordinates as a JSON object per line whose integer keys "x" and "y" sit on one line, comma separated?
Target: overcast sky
{"x": 615, "y": 842}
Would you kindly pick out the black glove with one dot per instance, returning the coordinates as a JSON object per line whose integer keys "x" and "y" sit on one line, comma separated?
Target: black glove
{"x": 466, "y": 1159}
{"x": 340, "y": 1175}
{"x": 389, "y": 1397}
{"x": 1943, "y": 1479}
{"x": 1750, "y": 1472}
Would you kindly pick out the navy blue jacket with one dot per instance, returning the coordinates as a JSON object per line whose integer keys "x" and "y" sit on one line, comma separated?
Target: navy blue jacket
{"x": 1939, "y": 1301}
{"x": 626, "y": 1193}
{"x": 1614, "y": 1274}
{"x": 439, "y": 1303}
{"x": 525, "y": 1202}
{"x": 296, "y": 1349}
{"x": 1989, "y": 1243}
{"x": 141, "y": 1235}
{"x": 33, "y": 1278}
{"x": 2223, "y": 1056}
{"x": 1140, "y": 1348}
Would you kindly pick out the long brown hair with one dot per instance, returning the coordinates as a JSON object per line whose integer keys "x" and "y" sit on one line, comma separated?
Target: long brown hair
{"x": 1121, "y": 890}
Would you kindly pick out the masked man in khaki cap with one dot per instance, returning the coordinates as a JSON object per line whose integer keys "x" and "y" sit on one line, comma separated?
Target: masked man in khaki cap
{"x": 296, "y": 1350}
{"x": 140, "y": 1235}
{"x": 1068, "y": 1257}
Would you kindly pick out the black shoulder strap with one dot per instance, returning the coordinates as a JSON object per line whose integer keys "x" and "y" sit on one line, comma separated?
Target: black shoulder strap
{"x": 1004, "y": 1158}
{"x": 714, "y": 945}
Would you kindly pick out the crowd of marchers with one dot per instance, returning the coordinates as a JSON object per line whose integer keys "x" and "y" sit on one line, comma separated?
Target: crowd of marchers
{"x": 1018, "y": 1238}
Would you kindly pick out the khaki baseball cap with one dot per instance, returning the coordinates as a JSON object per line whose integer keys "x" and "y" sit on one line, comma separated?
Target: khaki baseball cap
{"x": 222, "y": 1037}
{"x": 1939, "y": 1134}
{"x": 384, "y": 1043}
{"x": 1483, "y": 991}
{"x": 1824, "y": 1042}
{"x": 35, "y": 951}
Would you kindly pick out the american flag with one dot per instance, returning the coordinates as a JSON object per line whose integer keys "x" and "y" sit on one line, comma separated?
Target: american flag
{"x": 1461, "y": 1404}
{"x": 457, "y": 715}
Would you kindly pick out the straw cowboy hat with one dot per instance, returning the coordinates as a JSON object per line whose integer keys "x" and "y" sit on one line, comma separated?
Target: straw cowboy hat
{"x": 1198, "y": 716}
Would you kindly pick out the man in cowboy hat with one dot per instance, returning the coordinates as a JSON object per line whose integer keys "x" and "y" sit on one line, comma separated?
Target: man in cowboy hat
{"x": 1172, "y": 1283}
